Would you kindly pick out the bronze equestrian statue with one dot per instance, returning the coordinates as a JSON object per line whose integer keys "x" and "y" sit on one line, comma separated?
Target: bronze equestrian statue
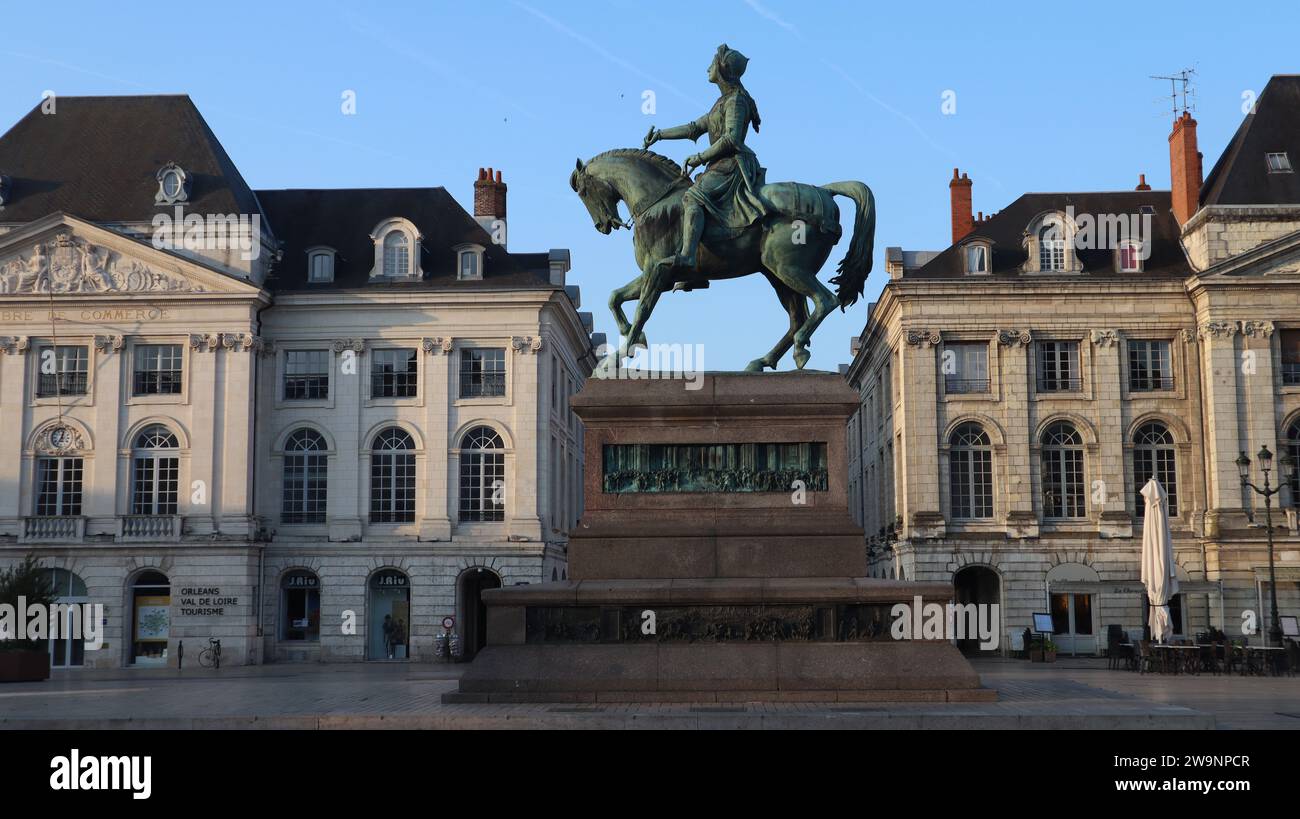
{"x": 727, "y": 222}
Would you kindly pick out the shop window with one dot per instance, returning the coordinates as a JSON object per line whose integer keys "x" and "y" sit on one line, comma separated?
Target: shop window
{"x": 300, "y": 606}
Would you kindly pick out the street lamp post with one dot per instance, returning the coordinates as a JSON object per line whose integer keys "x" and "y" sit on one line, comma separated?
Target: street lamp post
{"x": 1286, "y": 465}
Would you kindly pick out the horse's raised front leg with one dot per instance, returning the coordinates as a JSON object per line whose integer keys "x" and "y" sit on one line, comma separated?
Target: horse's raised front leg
{"x": 624, "y": 294}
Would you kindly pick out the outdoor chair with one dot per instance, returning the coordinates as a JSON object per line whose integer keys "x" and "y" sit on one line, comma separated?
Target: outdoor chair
{"x": 1146, "y": 658}
{"x": 1208, "y": 659}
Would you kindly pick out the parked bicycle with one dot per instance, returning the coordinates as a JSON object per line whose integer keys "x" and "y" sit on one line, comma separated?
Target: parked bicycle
{"x": 210, "y": 657}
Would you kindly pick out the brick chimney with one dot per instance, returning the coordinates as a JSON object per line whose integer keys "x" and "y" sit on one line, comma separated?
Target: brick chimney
{"x": 959, "y": 189}
{"x": 1142, "y": 183}
{"x": 1184, "y": 168}
{"x": 490, "y": 203}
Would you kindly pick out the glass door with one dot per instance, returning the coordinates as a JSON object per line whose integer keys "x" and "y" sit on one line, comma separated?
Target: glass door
{"x": 1072, "y": 627}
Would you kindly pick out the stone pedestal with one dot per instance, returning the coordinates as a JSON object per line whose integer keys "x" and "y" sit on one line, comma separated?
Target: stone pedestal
{"x": 716, "y": 561}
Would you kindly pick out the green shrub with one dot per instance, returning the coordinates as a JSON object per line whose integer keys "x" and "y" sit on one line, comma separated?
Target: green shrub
{"x": 30, "y": 582}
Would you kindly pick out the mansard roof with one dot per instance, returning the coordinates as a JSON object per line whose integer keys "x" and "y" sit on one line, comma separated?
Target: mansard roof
{"x": 343, "y": 220}
{"x": 98, "y": 158}
{"x": 1241, "y": 176}
{"x": 1005, "y": 231}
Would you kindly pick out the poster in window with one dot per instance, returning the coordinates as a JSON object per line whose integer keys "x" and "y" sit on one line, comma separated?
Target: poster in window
{"x": 152, "y": 618}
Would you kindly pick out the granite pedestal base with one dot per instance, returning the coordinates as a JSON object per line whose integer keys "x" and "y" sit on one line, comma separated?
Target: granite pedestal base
{"x": 716, "y": 561}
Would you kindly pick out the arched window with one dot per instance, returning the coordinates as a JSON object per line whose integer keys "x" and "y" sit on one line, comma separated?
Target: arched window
{"x": 482, "y": 476}
{"x": 1293, "y": 446}
{"x": 1153, "y": 457}
{"x": 1051, "y": 247}
{"x": 397, "y": 254}
{"x": 306, "y": 478}
{"x": 1062, "y": 472}
{"x": 392, "y": 477}
{"x": 155, "y": 472}
{"x": 300, "y": 606}
{"x": 970, "y": 465}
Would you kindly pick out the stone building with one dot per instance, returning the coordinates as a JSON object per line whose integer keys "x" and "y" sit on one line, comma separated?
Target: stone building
{"x": 1020, "y": 386}
{"x": 308, "y": 423}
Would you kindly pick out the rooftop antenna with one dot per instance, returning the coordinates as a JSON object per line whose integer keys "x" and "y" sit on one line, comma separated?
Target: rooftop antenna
{"x": 1180, "y": 85}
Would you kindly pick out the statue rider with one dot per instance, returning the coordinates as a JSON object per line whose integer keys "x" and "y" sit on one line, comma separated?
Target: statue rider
{"x": 727, "y": 191}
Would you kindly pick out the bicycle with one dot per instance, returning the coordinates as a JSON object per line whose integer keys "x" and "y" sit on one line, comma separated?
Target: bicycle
{"x": 210, "y": 657}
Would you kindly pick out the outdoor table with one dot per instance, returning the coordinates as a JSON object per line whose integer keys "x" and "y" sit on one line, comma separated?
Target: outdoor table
{"x": 1180, "y": 658}
{"x": 1260, "y": 653}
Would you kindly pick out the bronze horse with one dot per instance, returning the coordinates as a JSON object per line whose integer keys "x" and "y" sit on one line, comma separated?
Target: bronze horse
{"x": 788, "y": 247}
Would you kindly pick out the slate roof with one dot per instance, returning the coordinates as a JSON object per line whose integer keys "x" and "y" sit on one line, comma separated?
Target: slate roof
{"x": 98, "y": 158}
{"x": 343, "y": 220}
{"x": 1006, "y": 228}
{"x": 1241, "y": 176}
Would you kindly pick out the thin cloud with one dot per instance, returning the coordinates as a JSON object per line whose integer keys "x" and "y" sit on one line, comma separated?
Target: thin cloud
{"x": 613, "y": 58}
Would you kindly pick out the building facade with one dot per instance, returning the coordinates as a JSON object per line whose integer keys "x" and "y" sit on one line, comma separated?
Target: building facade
{"x": 1021, "y": 386}
{"x": 308, "y": 423}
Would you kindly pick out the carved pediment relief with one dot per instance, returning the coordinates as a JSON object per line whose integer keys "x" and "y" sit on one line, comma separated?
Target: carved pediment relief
{"x": 67, "y": 263}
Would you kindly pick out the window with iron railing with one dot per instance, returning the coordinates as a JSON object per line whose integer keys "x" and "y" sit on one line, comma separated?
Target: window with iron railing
{"x": 306, "y": 375}
{"x": 394, "y": 373}
{"x": 966, "y": 368}
{"x": 1290, "y": 348}
{"x": 483, "y": 373}
{"x": 157, "y": 369}
{"x": 61, "y": 371}
{"x": 1149, "y": 366}
{"x": 1058, "y": 366}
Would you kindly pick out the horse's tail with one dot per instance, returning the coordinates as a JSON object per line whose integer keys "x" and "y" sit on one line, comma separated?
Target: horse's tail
{"x": 856, "y": 265}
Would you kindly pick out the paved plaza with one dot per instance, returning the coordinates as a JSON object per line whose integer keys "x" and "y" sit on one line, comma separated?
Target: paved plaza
{"x": 1068, "y": 694}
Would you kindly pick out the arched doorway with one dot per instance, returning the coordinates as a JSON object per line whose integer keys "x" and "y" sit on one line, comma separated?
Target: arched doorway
{"x": 983, "y": 587}
{"x": 151, "y": 607}
{"x": 472, "y": 585}
{"x": 388, "y": 615}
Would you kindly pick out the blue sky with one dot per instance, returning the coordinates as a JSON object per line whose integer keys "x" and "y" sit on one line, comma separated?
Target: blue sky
{"x": 1048, "y": 97}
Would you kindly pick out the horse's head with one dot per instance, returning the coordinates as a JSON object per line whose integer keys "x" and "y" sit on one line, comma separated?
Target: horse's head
{"x": 599, "y": 196}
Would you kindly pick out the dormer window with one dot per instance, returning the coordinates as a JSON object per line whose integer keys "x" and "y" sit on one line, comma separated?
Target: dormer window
{"x": 397, "y": 250}
{"x": 1130, "y": 256}
{"x": 1049, "y": 245}
{"x": 1051, "y": 248}
{"x": 173, "y": 185}
{"x": 320, "y": 265}
{"x": 469, "y": 263}
{"x": 1278, "y": 162}
{"x": 976, "y": 256}
{"x": 397, "y": 255}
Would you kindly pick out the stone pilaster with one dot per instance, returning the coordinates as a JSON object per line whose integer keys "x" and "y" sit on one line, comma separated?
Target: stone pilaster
{"x": 1220, "y": 363}
{"x": 1013, "y": 357}
{"x": 439, "y": 392}
{"x": 1110, "y": 499}
{"x": 922, "y": 515}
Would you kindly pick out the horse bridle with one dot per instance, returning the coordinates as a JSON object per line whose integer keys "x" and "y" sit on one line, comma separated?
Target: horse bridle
{"x": 636, "y": 217}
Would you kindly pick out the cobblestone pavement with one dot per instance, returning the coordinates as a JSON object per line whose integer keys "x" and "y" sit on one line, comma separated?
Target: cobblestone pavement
{"x": 1065, "y": 695}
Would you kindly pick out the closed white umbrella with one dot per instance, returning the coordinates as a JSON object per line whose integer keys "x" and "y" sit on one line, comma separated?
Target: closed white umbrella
{"x": 1158, "y": 573}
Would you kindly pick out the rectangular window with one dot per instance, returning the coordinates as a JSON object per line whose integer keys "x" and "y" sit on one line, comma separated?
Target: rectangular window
{"x": 1149, "y": 366}
{"x": 971, "y": 483}
{"x": 155, "y": 485}
{"x": 1278, "y": 162}
{"x": 157, "y": 369}
{"x": 1157, "y": 462}
{"x": 305, "y": 488}
{"x": 61, "y": 371}
{"x": 393, "y": 373}
{"x": 321, "y": 268}
{"x": 1058, "y": 366}
{"x": 58, "y": 486}
{"x": 482, "y": 482}
{"x": 468, "y": 266}
{"x": 392, "y": 487}
{"x": 483, "y": 373}
{"x": 1290, "y": 343}
{"x": 306, "y": 374}
{"x": 966, "y": 368}
{"x": 977, "y": 260}
{"x": 1063, "y": 483}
